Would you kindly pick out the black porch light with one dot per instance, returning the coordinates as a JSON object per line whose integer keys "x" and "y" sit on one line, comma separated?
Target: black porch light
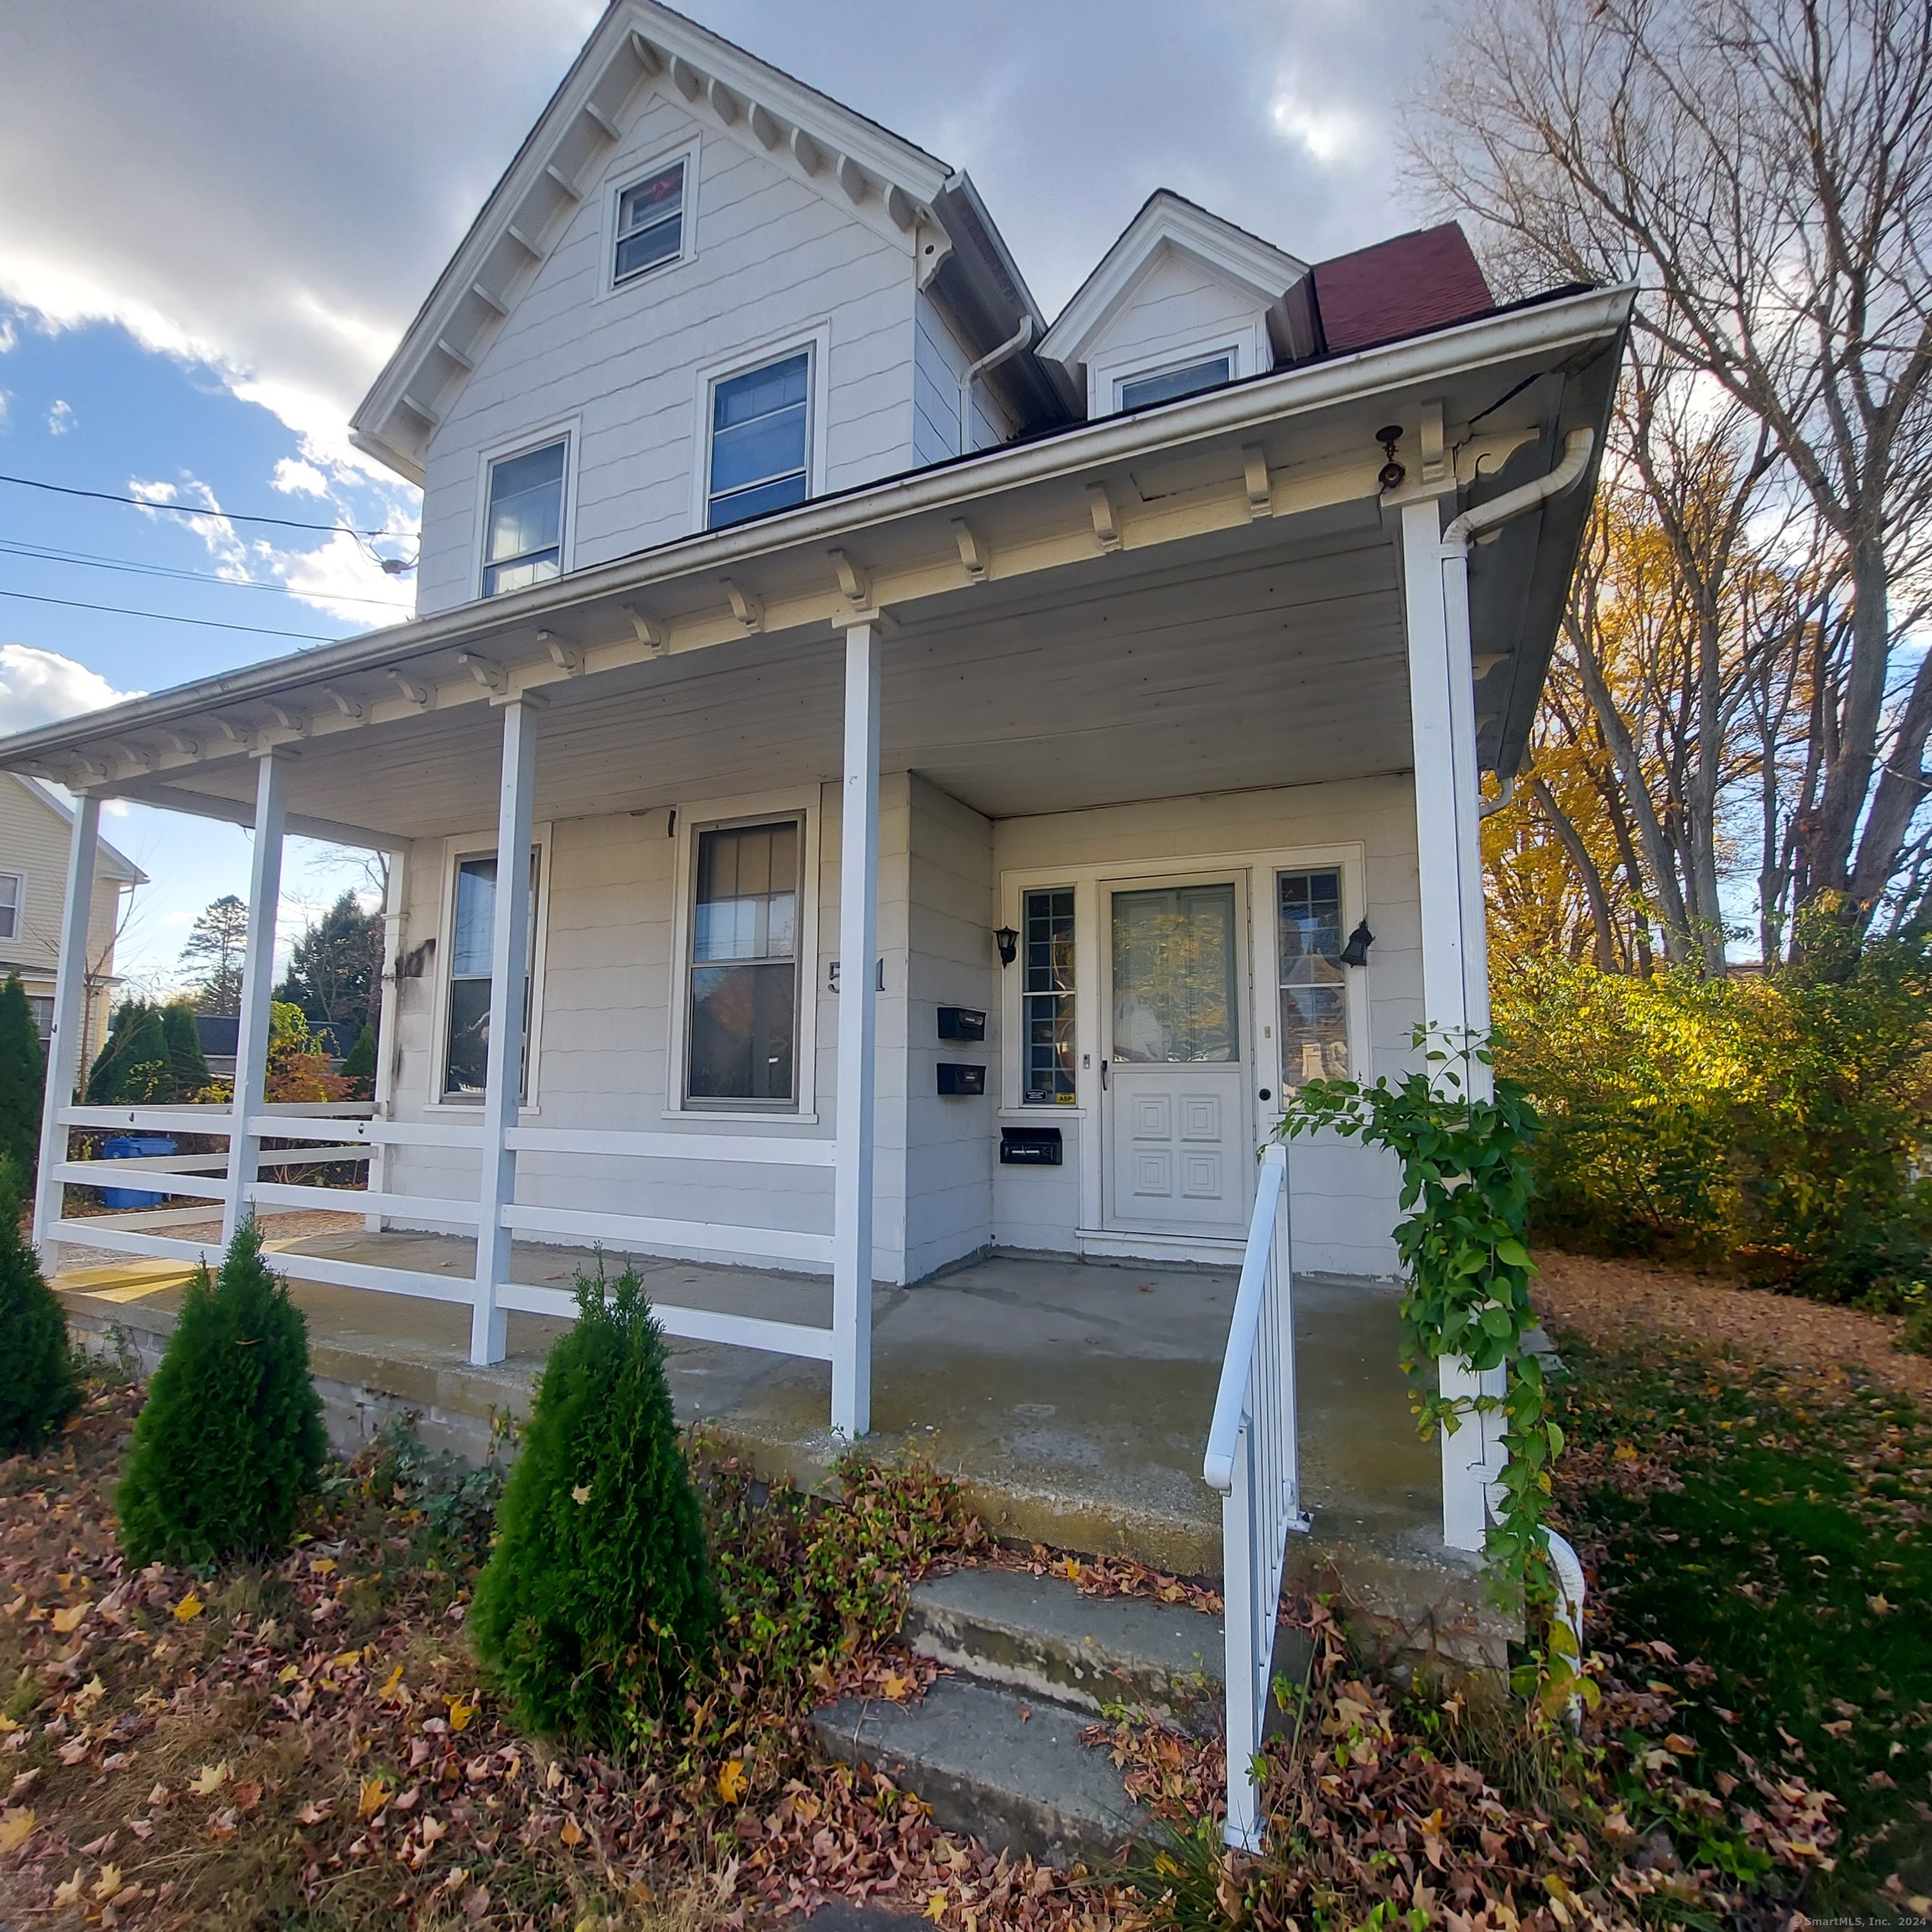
{"x": 1008, "y": 941}
{"x": 1356, "y": 951}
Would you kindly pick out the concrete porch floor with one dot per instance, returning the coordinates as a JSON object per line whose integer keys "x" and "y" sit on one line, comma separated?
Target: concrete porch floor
{"x": 1070, "y": 1399}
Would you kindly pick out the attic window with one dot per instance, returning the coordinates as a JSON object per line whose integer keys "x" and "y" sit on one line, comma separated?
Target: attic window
{"x": 1143, "y": 391}
{"x": 649, "y": 223}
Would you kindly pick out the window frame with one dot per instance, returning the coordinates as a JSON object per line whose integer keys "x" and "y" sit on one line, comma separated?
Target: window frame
{"x": 19, "y": 907}
{"x": 1226, "y": 357}
{"x": 567, "y": 431}
{"x": 1248, "y": 351}
{"x": 483, "y": 845}
{"x": 1022, "y": 1041}
{"x": 718, "y": 815}
{"x": 815, "y": 343}
{"x": 618, "y": 181}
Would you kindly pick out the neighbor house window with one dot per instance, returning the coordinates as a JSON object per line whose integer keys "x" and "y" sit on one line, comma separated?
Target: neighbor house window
{"x": 9, "y": 905}
{"x": 466, "y": 1048}
{"x": 649, "y": 223}
{"x": 524, "y": 536}
{"x": 744, "y": 968}
{"x": 1141, "y": 391}
{"x": 760, "y": 438}
{"x": 1048, "y": 998}
{"x": 1314, "y": 981}
{"x": 41, "y": 1005}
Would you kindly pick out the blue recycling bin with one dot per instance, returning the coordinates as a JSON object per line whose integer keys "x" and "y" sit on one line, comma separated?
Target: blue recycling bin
{"x": 123, "y": 1147}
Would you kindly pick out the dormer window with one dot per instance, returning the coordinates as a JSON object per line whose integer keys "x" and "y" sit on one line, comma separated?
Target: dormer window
{"x": 1143, "y": 391}
{"x": 649, "y": 223}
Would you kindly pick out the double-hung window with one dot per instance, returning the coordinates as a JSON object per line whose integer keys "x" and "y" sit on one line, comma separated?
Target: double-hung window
{"x": 1314, "y": 989}
{"x": 523, "y": 529}
{"x": 9, "y": 905}
{"x": 473, "y": 924}
{"x": 744, "y": 968}
{"x": 1048, "y": 998}
{"x": 760, "y": 441}
{"x": 649, "y": 223}
{"x": 1143, "y": 391}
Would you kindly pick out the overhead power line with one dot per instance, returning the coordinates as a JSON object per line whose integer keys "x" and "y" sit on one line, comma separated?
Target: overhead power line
{"x": 39, "y": 553}
{"x": 191, "y": 509}
{"x": 165, "y": 617}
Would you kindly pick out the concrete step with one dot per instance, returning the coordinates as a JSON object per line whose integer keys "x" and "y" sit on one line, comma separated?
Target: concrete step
{"x": 1039, "y": 1634}
{"x": 1006, "y": 1767}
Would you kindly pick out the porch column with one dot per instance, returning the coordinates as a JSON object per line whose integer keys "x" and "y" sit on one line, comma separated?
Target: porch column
{"x": 857, "y": 949}
{"x": 257, "y": 986}
{"x": 65, "y": 1048}
{"x": 1455, "y": 955}
{"x": 395, "y": 885}
{"x": 503, "y": 1064}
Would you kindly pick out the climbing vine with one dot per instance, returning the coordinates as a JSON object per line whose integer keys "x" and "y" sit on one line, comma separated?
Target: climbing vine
{"x": 1465, "y": 1190}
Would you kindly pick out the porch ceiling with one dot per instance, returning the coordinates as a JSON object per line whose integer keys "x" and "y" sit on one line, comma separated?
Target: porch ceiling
{"x": 1266, "y": 656}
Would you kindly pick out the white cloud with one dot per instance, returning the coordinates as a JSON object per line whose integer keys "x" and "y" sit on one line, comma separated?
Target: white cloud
{"x": 9, "y": 334}
{"x": 296, "y": 478}
{"x": 38, "y": 686}
{"x": 60, "y": 417}
{"x": 6, "y": 397}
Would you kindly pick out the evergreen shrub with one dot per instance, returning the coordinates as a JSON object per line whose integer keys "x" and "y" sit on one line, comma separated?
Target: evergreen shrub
{"x": 230, "y": 1438}
{"x": 187, "y": 1064}
{"x": 37, "y": 1391}
{"x": 598, "y": 1599}
{"x": 359, "y": 1065}
{"x": 22, "y": 1078}
{"x": 134, "y": 1067}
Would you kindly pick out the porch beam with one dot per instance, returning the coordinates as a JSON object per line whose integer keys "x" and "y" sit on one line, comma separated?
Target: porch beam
{"x": 1455, "y": 957}
{"x": 66, "y": 1048}
{"x": 503, "y": 1065}
{"x": 257, "y": 986}
{"x": 858, "y": 1033}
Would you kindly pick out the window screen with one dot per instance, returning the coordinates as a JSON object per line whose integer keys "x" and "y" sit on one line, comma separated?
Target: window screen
{"x": 759, "y": 436}
{"x": 745, "y": 966}
{"x": 1313, "y": 980}
{"x": 1142, "y": 392}
{"x": 1048, "y": 998}
{"x": 466, "y": 1045}
{"x": 650, "y": 222}
{"x": 524, "y": 540}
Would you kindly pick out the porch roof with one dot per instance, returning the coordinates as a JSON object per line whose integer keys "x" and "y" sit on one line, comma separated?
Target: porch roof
{"x": 1197, "y": 597}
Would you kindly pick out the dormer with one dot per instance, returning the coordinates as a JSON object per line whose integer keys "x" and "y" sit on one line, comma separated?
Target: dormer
{"x": 1182, "y": 302}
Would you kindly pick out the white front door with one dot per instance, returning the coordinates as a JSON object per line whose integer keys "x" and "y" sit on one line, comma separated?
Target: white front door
{"x": 1179, "y": 1151}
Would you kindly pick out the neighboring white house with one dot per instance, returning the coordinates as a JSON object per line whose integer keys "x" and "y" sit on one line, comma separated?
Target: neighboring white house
{"x": 961, "y": 772}
{"x": 36, "y": 831}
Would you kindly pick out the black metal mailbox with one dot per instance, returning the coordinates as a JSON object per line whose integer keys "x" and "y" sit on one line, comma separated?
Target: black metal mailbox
{"x": 1029, "y": 1146}
{"x": 956, "y": 1079}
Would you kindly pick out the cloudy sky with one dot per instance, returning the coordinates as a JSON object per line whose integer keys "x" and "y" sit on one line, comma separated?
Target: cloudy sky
{"x": 221, "y": 214}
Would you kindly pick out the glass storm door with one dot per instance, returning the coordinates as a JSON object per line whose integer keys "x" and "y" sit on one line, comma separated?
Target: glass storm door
{"x": 1179, "y": 1151}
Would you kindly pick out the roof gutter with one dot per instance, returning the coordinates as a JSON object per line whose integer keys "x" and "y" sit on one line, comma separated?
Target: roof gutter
{"x": 991, "y": 359}
{"x": 1559, "y": 327}
{"x": 1473, "y": 525}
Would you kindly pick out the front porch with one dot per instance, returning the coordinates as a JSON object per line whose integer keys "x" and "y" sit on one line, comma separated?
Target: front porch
{"x": 1071, "y": 1399}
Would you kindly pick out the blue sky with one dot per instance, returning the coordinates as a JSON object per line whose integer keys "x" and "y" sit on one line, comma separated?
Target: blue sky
{"x": 220, "y": 219}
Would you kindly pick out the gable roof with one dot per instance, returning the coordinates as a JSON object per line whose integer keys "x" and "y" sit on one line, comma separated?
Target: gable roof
{"x": 1169, "y": 224}
{"x": 115, "y": 864}
{"x": 1405, "y": 285}
{"x": 899, "y": 189}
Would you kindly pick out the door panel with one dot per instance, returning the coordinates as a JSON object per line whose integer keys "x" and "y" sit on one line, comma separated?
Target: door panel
{"x": 1176, "y": 1112}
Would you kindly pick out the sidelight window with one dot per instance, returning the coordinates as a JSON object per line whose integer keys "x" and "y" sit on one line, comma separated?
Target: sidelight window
{"x": 1048, "y": 998}
{"x": 1314, "y": 991}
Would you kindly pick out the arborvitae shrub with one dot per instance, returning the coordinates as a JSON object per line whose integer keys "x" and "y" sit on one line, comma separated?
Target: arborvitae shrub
{"x": 134, "y": 1068}
{"x": 231, "y": 1437}
{"x": 22, "y": 1078}
{"x": 37, "y": 1392}
{"x": 187, "y": 1064}
{"x": 598, "y": 1596}
{"x": 360, "y": 1066}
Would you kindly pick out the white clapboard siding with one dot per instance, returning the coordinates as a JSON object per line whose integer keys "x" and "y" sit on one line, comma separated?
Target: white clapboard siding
{"x": 939, "y": 361}
{"x": 774, "y": 257}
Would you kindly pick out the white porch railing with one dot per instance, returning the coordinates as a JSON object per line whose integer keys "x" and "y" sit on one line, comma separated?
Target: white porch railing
{"x": 1252, "y": 1460}
{"x": 344, "y": 1132}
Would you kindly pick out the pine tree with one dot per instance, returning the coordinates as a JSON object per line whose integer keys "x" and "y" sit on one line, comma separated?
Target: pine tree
{"x": 231, "y": 1437}
{"x": 37, "y": 1391}
{"x": 22, "y": 1078}
{"x": 335, "y": 971}
{"x": 598, "y": 1596}
{"x": 216, "y": 942}
{"x": 187, "y": 1064}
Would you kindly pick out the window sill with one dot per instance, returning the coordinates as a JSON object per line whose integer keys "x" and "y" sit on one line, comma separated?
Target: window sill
{"x": 1042, "y": 1116}
{"x": 727, "y": 1115}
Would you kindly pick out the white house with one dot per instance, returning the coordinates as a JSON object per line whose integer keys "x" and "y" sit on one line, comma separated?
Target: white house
{"x": 962, "y": 772}
{"x": 36, "y": 830}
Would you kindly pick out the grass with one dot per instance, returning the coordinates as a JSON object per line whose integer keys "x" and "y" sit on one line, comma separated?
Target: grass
{"x": 1765, "y": 1539}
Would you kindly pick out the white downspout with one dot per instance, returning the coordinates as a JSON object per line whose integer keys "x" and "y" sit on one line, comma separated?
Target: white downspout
{"x": 1473, "y": 525}
{"x": 991, "y": 359}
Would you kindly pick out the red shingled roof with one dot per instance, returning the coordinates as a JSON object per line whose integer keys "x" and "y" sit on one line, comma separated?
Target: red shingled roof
{"x": 1424, "y": 280}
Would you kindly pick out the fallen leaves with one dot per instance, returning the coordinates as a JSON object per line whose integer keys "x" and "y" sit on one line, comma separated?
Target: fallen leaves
{"x": 732, "y": 1782}
{"x": 189, "y": 1608}
{"x": 209, "y": 1779}
{"x": 15, "y": 1828}
{"x": 68, "y": 1621}
{"x": 461, "y": 1711}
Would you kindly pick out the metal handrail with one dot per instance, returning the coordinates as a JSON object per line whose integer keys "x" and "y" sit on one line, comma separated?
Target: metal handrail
{"x": 1251, "y": 1458}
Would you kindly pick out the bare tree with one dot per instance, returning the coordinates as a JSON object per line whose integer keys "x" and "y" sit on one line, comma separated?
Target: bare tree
{"x": 1762, "y": 170}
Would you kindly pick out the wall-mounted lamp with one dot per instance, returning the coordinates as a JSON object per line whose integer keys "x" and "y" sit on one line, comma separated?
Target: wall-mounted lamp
{"x": 1008, "y": 941}
{"x": 1392, "y": 472}
{"x": 1356, "y": 951}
